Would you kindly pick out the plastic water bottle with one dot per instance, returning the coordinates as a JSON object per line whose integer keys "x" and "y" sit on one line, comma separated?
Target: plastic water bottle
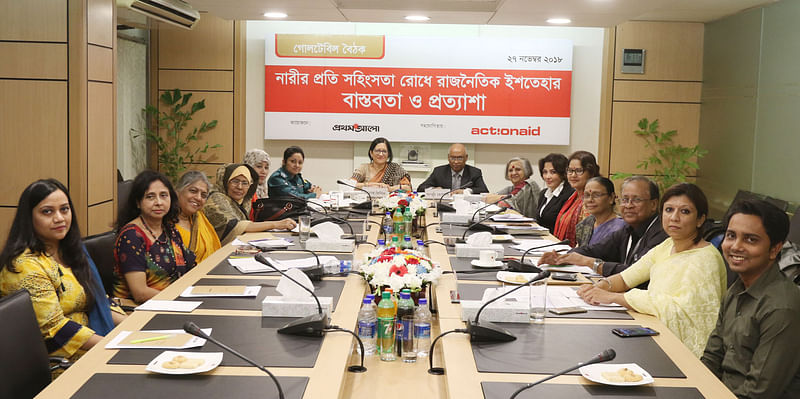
{"x": 386, "y": 327}
{"x": 387, "y": 224}
{"x": 372, "y": 302}
{"x": 422, "y": 329}
{"x": 407, "y": 243}
{"x": 367, "y": 320}
{"x": 419, "y": 245}
{"x": 381, "y": 244}
{"x": 405, "y": 328}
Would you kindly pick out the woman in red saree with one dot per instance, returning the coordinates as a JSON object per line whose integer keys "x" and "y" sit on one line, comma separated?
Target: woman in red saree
{"x": 582, "y": 167}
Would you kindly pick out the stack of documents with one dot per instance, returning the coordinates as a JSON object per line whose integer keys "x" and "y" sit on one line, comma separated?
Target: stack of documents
{"x": 558, "y": 296}
{"x": 250, "y": 265}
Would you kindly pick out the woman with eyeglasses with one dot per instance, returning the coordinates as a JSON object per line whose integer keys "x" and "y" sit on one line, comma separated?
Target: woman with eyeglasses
{"x": 582, "y": 166}
{"x": 44, "y": 255}
{"x": 287, "y": 181}
{"x": 229, "y": 204}
{"x": 598, "y": 200}
{"x": 196, "y": 231}
{"x": 686, "y": 274}
{"x": 524, "y": 194}
{"x": 381, "y": 171}
{"x": 149, "y": 251}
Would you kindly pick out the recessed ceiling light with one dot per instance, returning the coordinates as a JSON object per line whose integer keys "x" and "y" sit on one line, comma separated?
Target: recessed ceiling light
{"x": 417, "y": 18}
{"x": 275, "y": 15}
{"x": 559, "y": 21}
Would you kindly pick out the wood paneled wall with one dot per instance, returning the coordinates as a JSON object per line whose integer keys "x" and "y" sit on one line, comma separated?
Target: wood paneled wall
{"x": 668, "y": 90}
{"x": 57, "y": 110}
{"x": 207, "y": 61}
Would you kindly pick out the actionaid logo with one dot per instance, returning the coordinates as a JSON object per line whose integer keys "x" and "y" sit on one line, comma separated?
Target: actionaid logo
{"x": 507, "y": 131}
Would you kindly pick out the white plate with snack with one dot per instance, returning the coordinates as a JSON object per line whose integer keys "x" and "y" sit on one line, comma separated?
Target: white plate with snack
{"x": 172, "y": 362}
{"x": 628, "y": 374}
{"x": 514, "y": 278}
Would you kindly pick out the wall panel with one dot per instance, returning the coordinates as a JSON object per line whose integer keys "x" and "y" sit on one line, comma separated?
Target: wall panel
{"x": 33, "y": 119}
{"x": 100, "y": 217}
{"x": 33, "y": 60}
{"x": 28, "y": 22}
{"x": 637, "y": 90}
{"x": 195, "y": 80}
{"x": 6, "y": 217}
{"x": 100, "y": 158}
{"x": 101, "y": 63}
{"x": 208, "y": 46}
{"x": 219, "y": 106}
{"x": 674, "y": 50}
{"x": 100, "y": 18}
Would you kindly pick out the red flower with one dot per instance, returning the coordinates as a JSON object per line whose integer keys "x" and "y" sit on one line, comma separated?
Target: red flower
{"x": 411, "y": 260}
{"x": 402, "y": 202}
{"x": 398, "y": 270}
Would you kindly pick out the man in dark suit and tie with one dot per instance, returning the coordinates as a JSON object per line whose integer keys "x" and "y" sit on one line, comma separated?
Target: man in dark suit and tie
{"x": 456, "y": 174}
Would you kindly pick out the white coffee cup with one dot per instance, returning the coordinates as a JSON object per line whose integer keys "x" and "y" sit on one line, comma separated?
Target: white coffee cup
{"x": 487, "y": 257}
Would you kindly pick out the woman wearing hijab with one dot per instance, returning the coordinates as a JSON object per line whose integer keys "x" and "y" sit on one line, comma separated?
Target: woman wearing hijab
{"x": 229, "y": 205}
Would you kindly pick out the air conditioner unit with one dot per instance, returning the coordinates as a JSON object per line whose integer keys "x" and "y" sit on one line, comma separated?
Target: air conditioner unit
{"x": 174, "y": 12}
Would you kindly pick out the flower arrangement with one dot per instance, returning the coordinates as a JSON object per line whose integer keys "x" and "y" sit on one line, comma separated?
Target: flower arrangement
{"x": 403, "y": 200}
{"x": 399, "y": 268}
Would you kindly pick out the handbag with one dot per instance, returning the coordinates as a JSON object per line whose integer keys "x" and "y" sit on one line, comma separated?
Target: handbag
{"x": 268, "y": 209}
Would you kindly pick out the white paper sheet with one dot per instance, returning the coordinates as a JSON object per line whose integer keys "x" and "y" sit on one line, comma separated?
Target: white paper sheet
{"x": 169, "y": 306}
{"x": 511, "y": 217}
{"x": 558, "y": 296}
{"x": 249, "y": 291}
{"x": 568, "y": 268}
{"x": 250, "y": 265}
{"x": 271, "y": 243}
{"x": 195, "y": 342}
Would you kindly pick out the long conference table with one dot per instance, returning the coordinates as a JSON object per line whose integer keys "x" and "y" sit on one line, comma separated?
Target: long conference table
{"x": 317, "y": 367}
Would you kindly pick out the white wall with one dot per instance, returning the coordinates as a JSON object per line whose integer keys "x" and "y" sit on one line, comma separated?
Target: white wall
{"x": 328, "y": 160}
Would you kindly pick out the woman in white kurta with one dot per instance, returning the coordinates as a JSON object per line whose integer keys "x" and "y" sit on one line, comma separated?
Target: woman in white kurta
{"x": 686, "y": 274}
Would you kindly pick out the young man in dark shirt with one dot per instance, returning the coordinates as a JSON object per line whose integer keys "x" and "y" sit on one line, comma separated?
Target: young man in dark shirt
{"x": 753, "y": 348}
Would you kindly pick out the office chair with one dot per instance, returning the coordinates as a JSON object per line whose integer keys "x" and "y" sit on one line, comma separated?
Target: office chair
{"x": 25, "y": 364}
{"x": 101, "y": 249}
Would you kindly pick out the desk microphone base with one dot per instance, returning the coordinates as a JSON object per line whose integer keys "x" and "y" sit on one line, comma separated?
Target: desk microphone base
{"x": 488, "y": 332}
{"x": 309, "y": 326}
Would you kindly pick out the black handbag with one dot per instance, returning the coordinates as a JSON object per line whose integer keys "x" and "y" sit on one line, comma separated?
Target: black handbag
{"x": 268, "y": 209}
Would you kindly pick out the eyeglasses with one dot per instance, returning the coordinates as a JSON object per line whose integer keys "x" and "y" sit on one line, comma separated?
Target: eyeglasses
{"x": 593, "y": 196}
{"x": 380, "y": 151}
{"x": 240, "y": 183}
{"x": 634, "y": 201}
{"x": 577, "y": 171}
{"x": 195, "y": 191}
{"x": 458, "y": 158}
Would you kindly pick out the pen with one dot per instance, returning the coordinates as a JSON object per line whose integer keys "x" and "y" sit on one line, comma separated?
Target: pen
{"x": 158, "y": 338}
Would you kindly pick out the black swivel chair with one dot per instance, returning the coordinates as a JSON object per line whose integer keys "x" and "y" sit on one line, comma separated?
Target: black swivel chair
{"x": 101, "y": 249}
{"x": 24, "y": 365}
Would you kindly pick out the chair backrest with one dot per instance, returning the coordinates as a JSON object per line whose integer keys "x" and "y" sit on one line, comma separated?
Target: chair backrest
{"x": 24, "y": 364}
{"x": 101, "y": 249}
{"x": 123, "y": 192}
{"x": 794, "y": 228}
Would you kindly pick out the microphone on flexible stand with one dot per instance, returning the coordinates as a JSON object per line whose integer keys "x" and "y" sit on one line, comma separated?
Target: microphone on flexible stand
{"x": 363, "y": 205}
{"x": 520, "y": 266}
{"x": 309, "y": 326}
{"x": 604, "y": 356}
{"x": 193, "y": 329}
{"x": 503, "y": 198}
{"x": 447, "y": 208}
{"x": 314, "y": 325}
{"x": 315, "y": 273}
{"x": 489, "y": 332}
{"x": 478, "y": 226}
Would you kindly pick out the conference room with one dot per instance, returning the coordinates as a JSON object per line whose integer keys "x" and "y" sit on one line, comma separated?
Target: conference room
{"x": 478, "y": 89}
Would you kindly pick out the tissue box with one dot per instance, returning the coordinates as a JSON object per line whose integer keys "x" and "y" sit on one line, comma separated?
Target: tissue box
{"x": 505, "y": 310}
{"x": 465, "y": 251}
{"x": 455, "y": 217}
{"x": 315, "y": 244}
{"x": 279, "y": 306}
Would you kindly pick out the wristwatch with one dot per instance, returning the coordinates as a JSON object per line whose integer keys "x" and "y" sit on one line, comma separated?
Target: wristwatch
{"x": 597, "y": 267}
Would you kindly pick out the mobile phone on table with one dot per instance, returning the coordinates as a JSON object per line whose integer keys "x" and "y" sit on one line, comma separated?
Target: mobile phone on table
{"x": 634, "y": 332}
{"x": 567, "y": 310}
{"x": 564, "y": 276}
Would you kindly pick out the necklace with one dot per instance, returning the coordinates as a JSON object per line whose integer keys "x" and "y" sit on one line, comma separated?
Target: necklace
{"x": 151, "y": 231}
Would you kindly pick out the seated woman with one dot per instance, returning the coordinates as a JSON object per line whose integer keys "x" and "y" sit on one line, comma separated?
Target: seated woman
{"x": 524, "y": 193}
{"x": 228, "y": 204}
{"x": 149, "y": 251}
{"x": 687, "y": 275}
{"x": 44, "y": 255}
{"x": 582, "y": 167}
{"x": 196, "y": 231}
{"x": 598, "y": 200}
{"x": 381, "y": 171}
{"x": 553, "y": 169}
{"x": 287, "y": 181}
{"x": 259, "y": 160}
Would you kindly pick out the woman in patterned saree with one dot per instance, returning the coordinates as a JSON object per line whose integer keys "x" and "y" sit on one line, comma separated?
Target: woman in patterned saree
{"x": 381, "y": 171}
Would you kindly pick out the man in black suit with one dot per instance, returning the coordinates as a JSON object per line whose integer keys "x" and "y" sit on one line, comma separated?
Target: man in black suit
{"x": 456, "y": 174}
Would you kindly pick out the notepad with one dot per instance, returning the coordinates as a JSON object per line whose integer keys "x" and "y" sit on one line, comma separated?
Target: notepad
{"x": 175, "y": 339}
{"x": 221, "y": 291}
{"x": 169, "y": 306}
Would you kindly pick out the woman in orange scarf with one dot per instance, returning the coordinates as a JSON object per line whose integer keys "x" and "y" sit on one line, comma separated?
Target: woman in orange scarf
{"x": 582, "y": 167}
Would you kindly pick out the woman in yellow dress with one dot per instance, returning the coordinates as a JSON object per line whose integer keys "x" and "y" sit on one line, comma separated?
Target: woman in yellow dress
{"x": 686, "y": 274}
{"x": 196, "y": 231}
{"x": 44, "y": 255}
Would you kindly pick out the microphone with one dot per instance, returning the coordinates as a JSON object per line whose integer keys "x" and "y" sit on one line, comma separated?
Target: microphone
{"x": 307, "y": 201}
{"x": 478, "y": 226}
{"x": 447, "y": 208}
{"x": 503, "y": 198}
{"x": 489, "y": 332}
{"x": 336, "y": 220}
{"x": 363, "y": 205}
{"x": 315, "y": 274}
{"x": 520, "y": 266}
{"x": 309, "y": 326}
{"x": 604, "y": 356}
{"x": 193, "y": 329}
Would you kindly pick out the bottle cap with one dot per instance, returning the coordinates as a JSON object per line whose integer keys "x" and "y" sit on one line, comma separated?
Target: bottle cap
{"x": 423, "y": 301}
{"x": 395, "y": 238}
{"x": 381, "y": 242}
{"x": 405, "y": 295}
{"x": 386, "y": 295}
{"x": 366, "y": 301}
{"x": 407, "y": 238}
